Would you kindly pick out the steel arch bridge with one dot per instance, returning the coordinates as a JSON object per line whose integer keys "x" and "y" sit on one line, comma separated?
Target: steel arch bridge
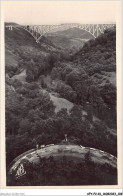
{"x": 37, "y": 31}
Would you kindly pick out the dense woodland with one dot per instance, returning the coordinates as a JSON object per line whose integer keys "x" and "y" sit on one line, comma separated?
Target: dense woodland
{"x": 81, "y": 78}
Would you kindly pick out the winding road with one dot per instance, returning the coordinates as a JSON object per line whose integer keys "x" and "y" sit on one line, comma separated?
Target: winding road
{"x": 72, "y": 152}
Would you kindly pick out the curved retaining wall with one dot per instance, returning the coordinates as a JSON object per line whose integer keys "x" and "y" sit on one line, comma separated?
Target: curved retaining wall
{"x": 101, "y": 151}
{"x": 20, "y": 156}
{"x": 43, "y": 147}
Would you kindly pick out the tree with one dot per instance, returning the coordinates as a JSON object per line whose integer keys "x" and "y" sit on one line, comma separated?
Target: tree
{"x": 108, "y": 93}
{"x": 25, "y": 126}
{"x": 76, "y": 112}
{"x": 88, "y": 158}
{"x": 89, "y": 110}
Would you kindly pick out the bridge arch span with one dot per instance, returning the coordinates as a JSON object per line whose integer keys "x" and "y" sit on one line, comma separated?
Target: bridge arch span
{"x": 37, "y": 31}
{"x": 59, "y": 29}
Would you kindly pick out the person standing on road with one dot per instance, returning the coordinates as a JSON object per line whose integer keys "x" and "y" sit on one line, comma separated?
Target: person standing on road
{"x": 37, "y": 146}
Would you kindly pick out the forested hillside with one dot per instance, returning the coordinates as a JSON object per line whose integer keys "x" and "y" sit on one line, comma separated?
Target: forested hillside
{"x": 22, "y": 52}
{"x": 86, "y": 79}
{"x": 100, "y": 54}
{"x": 71, "y": 39}
{"x": 90, "y": 76}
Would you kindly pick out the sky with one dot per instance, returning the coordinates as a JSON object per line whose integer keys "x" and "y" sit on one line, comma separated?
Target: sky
{"x": 57, "y": 12}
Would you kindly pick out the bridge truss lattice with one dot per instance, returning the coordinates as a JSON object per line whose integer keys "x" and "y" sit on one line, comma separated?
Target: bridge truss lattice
{"x": 37, "y": 31}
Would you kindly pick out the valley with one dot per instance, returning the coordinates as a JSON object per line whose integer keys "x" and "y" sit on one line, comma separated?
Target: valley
{"x": 64, "y": 85}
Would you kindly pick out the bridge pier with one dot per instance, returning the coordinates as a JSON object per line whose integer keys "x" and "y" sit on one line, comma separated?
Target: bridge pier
{"x": 37, "y": 41}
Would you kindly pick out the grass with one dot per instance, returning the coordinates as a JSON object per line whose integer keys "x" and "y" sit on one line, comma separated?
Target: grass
{"x": 21, "y": 77}
{"x": 61, "y": 103}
